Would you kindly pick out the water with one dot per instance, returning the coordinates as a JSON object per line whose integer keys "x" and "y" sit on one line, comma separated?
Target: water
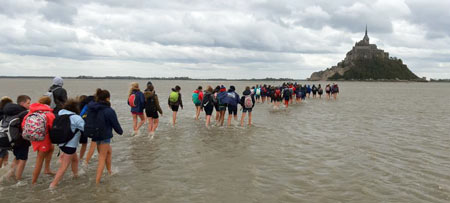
{"x": 379, "y": 142}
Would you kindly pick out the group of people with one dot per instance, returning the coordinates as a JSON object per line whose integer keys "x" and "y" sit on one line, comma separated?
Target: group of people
{"x": 57, "y": 120}
{"x": 219, "y": 99}
{"x": 66, "y": 122}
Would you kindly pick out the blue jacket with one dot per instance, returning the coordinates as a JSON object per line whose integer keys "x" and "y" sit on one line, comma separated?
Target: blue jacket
{"x": 109, "y": 115}
{"x": 232, "y": 98}
{"x": 76, "y": 122}
{"x": 140, "y": 102}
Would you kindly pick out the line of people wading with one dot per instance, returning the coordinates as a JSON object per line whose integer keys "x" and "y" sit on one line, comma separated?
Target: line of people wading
{"x": 66, "y": 122}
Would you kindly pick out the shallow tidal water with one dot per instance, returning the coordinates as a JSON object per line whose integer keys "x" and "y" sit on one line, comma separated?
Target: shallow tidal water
{"x": 379, "y": 142}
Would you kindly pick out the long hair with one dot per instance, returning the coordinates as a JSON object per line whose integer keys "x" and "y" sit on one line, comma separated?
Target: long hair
{"x": 134, "y": 86}
{"x": 101, "y": 95}
{"x": 72, "y": 105}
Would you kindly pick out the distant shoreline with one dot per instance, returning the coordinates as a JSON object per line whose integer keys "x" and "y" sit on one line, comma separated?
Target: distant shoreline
{"x": 151, "y": 78}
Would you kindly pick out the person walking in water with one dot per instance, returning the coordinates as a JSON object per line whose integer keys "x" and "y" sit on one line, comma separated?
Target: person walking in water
{"x": 69, "y": 157}
{"x": 247, "y": 102}
{"x": 36, "y": 126}
{"x": 335, "y": 90}
{"x": 320, "y": 91}
{"x": 197, "y": 97}
{"x": 57, "y": 94}
{"x": 100, "y": 121}
{"x": 208, "y": 104}
{"x": 152, "y": 108}
{"x": 175, "y": 102}
{"x": 232, "y": 100}
{"x": 136, "y": 101}
{"x": 328, "y": 91}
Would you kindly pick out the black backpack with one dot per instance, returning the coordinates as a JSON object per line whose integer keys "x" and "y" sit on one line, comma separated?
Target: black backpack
{"x": 94, "y": 126}
{"x": 61, "y": 132}
{"x": 9, "y": 131}
{"x": 150, "y": 105}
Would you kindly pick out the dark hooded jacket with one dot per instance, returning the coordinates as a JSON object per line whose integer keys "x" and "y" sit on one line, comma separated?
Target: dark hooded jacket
{"x": 244, "y": 94}
{"x": 109, "y": 115}
{"x": 12, "y": 110}
{"x": 208, "y": 99}
{"x": 147, "y": 95}
{"x": 59, "y": 96}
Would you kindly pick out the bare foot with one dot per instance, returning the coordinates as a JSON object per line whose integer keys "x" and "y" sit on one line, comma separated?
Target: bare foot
{"x": 50, "y": 173}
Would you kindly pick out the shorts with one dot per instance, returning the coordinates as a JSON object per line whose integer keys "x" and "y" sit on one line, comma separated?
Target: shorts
{"x": 245, "y": 110}
{"x": 222, "y": 107}
{"x": 174, "y": 107}
{"x": 197, "y": 105}
{"x": 105, "y": 141}
{"x": 216, "y": 106}
{"x": 68, "y": 150}
{"x": 152, "y": 114}
{"x": 286, "y": 98}
{"x": 137, "y": 113}
{"x": 3, "y": 153}
{"x": 258, "y": 96}
{"x": 209, "y": 109}
{"x": 232, "y": 110}
{"x": 21, "y": 153}
{"x": 83, "y": 138}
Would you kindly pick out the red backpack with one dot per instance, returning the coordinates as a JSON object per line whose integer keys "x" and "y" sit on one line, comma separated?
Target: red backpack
{"x": 132, "y": 100}
{"x": 277, "y": 92}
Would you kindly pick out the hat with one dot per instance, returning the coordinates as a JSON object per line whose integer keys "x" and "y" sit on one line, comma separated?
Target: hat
{"x": 232, "y": 88}
{"x": 58, "y": 81}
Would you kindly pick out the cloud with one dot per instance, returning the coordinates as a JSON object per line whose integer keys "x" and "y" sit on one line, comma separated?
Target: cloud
{"x": 282, "y": 38}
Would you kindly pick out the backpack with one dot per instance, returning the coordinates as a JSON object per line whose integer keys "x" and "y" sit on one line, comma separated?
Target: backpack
{"x": 173, "y": 98}
{"x": 335, "y": 88}
{"x": 248, "y": 103}
{"x": 61, "y": 132}
{"x": 277, "y": 92}
{"x": 258, "y": 91}
{"x": 320, "y": 91}
{"x": 132, "y": 100}
{"x": 50, "y": 94}
{"x": 9, "y": 131}
{"x": 209, "y": 101}
{"x": 35, "y": 126}
{"x": 150, "y": 105}
{"x": 94, "y": 126}
{"x": 195, "y": 98}
{"x": 327, "y": 88}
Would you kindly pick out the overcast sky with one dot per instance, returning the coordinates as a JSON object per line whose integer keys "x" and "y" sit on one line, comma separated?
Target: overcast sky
{"x": 216, "y": 38}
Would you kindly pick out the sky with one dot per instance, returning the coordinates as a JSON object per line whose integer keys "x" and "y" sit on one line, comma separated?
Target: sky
{"x": 231, "y": 39}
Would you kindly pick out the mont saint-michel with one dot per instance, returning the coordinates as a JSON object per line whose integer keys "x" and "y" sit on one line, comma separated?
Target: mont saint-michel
{"x": 366, "y": 62}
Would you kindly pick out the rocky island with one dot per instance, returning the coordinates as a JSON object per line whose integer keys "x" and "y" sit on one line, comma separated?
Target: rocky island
{"x": 366, "y": 62}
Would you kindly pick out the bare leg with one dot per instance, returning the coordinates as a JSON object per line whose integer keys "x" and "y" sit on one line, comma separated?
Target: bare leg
{"x": 142, "y": 117}
{"x": 38, "y": 166}
{"x": 48, "y": 159}
{"x": 229, "y": 119}
{"x": 242, "y": 119}
{"x": 249, "y": 118}
{"x": 75, "y": 165}
{"x": 83, "y": 150}
{"x": 108, "y": 159}
{"x": 102, "y": 153}
{"x": 208, "y": 120}
{"x": 174, "y": 118}
{"x": 19, "y": 168}
{"x": 150, "y": 124}
{"x": 65, "y": 161}
{"x": 134, "y": 122}
{"x": 155, "y": 124}
{"x": 1, "y": 162}
{"x": 5, "y": 160}
{"x": 90, "y": 152}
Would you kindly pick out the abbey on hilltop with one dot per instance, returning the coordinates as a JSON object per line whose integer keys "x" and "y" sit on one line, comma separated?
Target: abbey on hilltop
{"x": 366, "y": 62}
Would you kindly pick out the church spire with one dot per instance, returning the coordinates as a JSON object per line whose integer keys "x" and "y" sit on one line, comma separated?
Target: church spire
{"x": 366, "y": 37}
{"x": 366, "y": 30}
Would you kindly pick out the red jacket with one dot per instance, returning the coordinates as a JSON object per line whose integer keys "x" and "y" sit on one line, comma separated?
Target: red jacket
{"x": 200, "y": 94}
{"x": 45, "y": 144}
